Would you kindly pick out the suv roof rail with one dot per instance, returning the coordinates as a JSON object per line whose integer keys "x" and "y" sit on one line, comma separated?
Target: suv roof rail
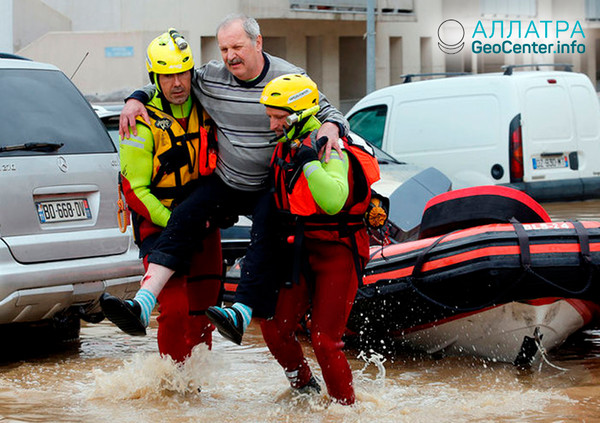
{"x": 508, "y": 69}
{"x": 12, "y": 56}
{"x": 409, "y": 76}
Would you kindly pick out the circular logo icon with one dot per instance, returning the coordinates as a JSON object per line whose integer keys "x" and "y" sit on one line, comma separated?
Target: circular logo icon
{"x": 451, "y": 34}
{"x": 62, "y": 164}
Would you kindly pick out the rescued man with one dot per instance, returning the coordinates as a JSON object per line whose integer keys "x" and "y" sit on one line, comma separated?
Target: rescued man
{"x": 230, "y": 91}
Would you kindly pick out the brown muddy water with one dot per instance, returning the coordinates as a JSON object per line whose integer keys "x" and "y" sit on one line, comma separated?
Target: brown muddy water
{"x": 107, "y": 376}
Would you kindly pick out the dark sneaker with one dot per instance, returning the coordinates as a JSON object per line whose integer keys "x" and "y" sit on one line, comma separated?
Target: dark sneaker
{"x": 312, "y": 387}
{"x": 227, "y": 327}
{"x": 124, "y": 315}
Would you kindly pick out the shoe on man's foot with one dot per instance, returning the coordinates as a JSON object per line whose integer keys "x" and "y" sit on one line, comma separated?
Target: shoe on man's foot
{"x": 230, "y": 329}
{"x": 127, "y": 317}
{"x": 312, "y": 387}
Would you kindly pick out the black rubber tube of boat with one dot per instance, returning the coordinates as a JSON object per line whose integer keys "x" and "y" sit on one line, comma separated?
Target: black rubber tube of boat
{"x": 525, "y": 251}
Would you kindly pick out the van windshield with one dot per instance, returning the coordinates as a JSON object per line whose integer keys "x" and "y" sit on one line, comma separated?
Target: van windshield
{"x": 43, "y": 106}
{"x": 369, "y": 123}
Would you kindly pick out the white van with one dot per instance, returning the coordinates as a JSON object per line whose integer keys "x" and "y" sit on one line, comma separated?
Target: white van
{"x": 537, "y": 131}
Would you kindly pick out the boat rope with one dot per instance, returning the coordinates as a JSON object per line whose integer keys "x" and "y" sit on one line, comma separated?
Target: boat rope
{"x": 585, "y": 256}
{"x": 525, "y": 257}
{"x": 459, "y": 309}
{"x": 543, "y": 353}
{"x": 414, "y": 277}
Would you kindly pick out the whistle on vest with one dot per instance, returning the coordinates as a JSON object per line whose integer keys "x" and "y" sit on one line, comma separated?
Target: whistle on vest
{"x": 294, "y": 144}
{"x": 122, "y": 214}
{"x": 212, "y": 159}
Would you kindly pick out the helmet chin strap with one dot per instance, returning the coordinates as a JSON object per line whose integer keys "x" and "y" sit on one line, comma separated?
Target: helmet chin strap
{"x": 299, "y": 130}
{"x": 156, "y": 82}
{"x": 290, "y": 135}
{"x": 297, "y": 122}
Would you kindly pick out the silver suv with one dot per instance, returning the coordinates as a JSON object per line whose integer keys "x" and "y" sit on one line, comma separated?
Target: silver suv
{"x": 60, "y": 243}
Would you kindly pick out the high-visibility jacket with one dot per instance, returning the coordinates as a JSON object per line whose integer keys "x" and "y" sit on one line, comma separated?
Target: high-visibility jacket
{"x": 160, "y": 164}
{"x": 180, "y": 156}
{"x": 298, "y": 202}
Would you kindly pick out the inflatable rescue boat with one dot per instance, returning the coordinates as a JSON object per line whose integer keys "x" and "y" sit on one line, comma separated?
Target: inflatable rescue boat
{"x": 481, "y": 282}
{"x": 490, "y": 275}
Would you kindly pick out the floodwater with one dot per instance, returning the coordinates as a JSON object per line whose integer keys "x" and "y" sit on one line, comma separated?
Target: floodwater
{"x": 109, "y": 376}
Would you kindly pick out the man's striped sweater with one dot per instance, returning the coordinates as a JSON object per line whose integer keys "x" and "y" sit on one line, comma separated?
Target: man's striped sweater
{"x": 245, "y": 141}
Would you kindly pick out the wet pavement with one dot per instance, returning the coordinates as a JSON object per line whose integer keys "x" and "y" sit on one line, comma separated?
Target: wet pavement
{"x": 109, "y": 376}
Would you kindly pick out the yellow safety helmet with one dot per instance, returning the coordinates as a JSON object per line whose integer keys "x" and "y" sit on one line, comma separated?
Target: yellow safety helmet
{"x": 291, "y": 92}
{"x": 164, "y": 55}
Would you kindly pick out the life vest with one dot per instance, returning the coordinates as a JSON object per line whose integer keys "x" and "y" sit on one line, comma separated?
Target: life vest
{"x": 297, "y": 200}
{"x": 180, "y": 156}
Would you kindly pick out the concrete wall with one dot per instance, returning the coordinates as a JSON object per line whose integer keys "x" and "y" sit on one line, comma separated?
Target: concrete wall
{"x": 6, "y": 26}
{"x": 34, "y": 19}
{"x": 195, "y": 19}
{"x": 317, "y": 47}
{"x": 102, "y": 74}
{"x": 330, "y": 46}
{"x": 469, "y": 13}
{"x": 402, "y": 46}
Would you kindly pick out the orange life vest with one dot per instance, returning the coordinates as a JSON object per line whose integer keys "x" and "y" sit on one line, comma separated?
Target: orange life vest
{"x": 298, "y": 201}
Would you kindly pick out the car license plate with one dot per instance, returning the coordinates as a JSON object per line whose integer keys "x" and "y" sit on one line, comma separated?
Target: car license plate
{"x": 63, "y": 210}
{"x": 556, "y": 162}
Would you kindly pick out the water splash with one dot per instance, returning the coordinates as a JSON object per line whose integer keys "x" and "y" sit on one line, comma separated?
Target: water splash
{"x": 154, "y": 376}
{"x": 376, "y": 359}
{"x": 246, "y": 384}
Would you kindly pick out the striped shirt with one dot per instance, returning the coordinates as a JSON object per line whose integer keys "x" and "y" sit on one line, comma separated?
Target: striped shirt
{"x": 245, "y": 140}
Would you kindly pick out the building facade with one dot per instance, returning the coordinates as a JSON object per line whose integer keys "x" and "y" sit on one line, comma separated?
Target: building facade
{"x": 101, "y": 44}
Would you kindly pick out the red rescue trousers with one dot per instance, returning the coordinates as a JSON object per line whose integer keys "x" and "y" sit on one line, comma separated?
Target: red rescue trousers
{"x": 182, "y": 323}
{"x": 335, "y": 287}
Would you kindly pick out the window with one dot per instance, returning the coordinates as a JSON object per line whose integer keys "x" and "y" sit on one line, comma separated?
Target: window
{"x": 497, "y": 8}
{"x": 543, "y": 120}
{"x": 369, "y": 123}
{"x": 45, "y": 106}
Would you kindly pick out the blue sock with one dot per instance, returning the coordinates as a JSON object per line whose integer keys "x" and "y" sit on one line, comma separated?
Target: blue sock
{"x": 246, "y": 313}
{"x": 147, "y": 301}
{"x": 244, "y": 310}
